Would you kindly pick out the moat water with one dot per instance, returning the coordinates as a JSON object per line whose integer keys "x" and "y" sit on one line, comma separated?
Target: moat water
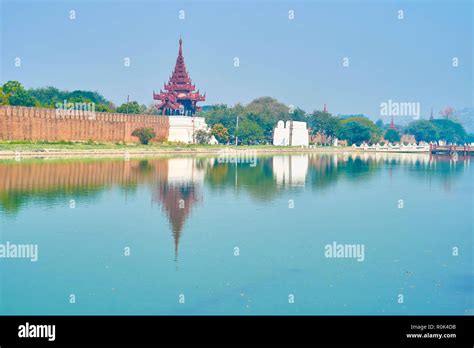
{"x": 300, "y": 234}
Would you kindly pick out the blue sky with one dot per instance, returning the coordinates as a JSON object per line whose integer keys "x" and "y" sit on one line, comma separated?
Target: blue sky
{"x": 296, "y": 61}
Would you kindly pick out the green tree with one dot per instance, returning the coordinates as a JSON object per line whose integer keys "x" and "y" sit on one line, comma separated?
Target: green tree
{"x": 202, "y": 136}
{"x": 298, "y": 114}
{"x": 269, "y": 107}
{"x": 450, "y": 131}
{"x": 323, "y": 123}
{"x": 105, "y": 107}
{"x": 423, "y": 130}
{"x": 131, "y": 108}
{"x": 15, "y": 94}
{"x": 392, "y": 135}
{"x": 361, "y": 126}
{"x": 267, "y": 111}
{"x": 250, "y": 132}
{"x": 11, "y": 87}
{"x": 3, "y": 97}
{"x": 220, "y": 133}
{"x": 22, "y": 98}
{"x": 95, "y": 97}
{"x": 144, "y": 134}
{"x": 355, "y": 132}
{"x": 49, "y": 96}
{"x": 80, "y": 100}
{"x": 227, "y": 116}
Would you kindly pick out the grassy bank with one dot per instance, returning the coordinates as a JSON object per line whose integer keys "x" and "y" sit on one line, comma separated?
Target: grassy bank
{"x": 44, "y": 146}
{"x": 28, "y": 148}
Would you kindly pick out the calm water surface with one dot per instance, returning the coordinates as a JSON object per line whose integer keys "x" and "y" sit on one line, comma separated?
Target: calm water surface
{"x": 182, "y": 219}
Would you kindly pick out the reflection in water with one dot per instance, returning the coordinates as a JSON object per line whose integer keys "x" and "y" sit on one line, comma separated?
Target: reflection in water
{"x": 179, "y": 192}
{"x": 177, "y": 183}
{"x": 290, "y": 170}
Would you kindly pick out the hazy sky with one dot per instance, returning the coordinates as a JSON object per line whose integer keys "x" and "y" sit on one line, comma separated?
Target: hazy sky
{"x": 297, "y": 61}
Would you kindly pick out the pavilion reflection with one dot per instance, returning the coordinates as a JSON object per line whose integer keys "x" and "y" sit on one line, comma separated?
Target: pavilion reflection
{"x": 178, "y": 194}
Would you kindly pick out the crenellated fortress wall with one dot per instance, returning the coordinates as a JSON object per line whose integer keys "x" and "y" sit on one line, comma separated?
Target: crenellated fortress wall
{"x": 26, "y": 123}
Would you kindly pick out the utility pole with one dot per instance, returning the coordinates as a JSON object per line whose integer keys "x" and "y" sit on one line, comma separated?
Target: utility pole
{"x": 128, "y": 101}
{"x": 237, "y": 132}
{"x": 291, "y": 133}
{"x": 194, "y": 137}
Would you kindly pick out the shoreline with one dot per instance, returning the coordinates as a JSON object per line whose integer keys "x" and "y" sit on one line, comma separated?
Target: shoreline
{"x": 162, "y": 151}
{"x": 131, "y": 152}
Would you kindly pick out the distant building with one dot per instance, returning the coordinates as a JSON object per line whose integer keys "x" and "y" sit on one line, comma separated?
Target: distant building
{"x": 293, "y": 133}
{"x": 319, "y": 138}
{"x": 407, "y": 138}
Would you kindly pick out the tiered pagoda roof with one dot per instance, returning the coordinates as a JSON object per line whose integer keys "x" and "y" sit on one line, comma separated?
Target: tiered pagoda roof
{"x": 179, "y": 96}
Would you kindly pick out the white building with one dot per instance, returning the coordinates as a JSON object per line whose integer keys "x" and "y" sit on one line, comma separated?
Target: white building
{"x": 182, "y": 128}
{"x": 294, "y": 133}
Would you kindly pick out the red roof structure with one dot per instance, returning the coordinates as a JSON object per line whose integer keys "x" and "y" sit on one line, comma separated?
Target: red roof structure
{"x": 179, "y": 96}
{"x": 392, "y": 125}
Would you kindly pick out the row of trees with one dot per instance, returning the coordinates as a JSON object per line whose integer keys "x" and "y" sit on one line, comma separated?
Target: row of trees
{"x": 358, "y": 129}
{"x": 253, "y": 123}
{"x": 256, "y": 120}
{"x": 354, "y": 128}
{"x": 13, "y": 93}
{"x": 446, "y": 129}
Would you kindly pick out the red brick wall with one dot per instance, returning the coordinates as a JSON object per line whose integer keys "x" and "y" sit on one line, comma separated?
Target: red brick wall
{"x": 22, "y": 123}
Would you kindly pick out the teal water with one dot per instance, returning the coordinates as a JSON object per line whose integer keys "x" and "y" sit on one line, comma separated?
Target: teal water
{"x": 182, "y": 219}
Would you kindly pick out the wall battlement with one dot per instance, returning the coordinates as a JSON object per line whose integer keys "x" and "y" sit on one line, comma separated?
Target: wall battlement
{"x": 25, "y": 123}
